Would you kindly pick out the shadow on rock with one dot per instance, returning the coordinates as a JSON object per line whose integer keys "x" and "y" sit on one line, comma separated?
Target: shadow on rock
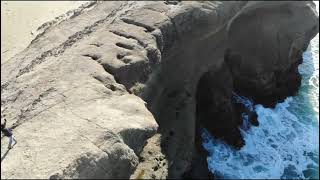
{"x": 5, "y": 155}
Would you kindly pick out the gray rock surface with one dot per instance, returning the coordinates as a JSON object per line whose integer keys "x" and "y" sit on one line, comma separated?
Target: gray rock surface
{"x": 70, "y": 117}
{"x": 86, "y": 94}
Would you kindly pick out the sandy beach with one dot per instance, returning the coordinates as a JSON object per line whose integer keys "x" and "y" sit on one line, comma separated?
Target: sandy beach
{"x": 20, "y": 20}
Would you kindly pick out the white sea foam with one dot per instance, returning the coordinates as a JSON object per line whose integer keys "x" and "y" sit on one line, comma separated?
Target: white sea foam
{"x": 286, "y": 143}
{"x": 310, "y": 73}
{"x": 281, "y": 147}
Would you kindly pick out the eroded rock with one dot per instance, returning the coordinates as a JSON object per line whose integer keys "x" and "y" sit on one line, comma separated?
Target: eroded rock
{"x": 86, "y": 95}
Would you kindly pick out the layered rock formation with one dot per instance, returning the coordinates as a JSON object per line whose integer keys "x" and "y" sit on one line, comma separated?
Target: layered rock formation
{"x": 123, "y": 89}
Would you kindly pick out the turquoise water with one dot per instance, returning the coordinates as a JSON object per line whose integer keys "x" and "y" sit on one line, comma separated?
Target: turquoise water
{"x": 286, "y": 143}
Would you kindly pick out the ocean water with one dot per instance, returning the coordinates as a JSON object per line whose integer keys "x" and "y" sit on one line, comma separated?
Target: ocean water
{"x": 286, "y": 143}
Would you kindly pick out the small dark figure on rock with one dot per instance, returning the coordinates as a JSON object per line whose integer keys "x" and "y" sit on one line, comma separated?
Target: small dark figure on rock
{"x": 7, "y": 132}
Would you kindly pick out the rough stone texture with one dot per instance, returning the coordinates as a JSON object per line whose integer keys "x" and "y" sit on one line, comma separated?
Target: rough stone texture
{"x": 265, "y": 66}
{"x": 75, "y": 97}
{"x": 153, "y": 162}
{"x": 70, "y": 117}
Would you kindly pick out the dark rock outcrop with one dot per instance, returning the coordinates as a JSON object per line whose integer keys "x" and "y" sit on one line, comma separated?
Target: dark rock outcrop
{"x": 265, "y": 54}
{"x": 215, "y": 109}
{"x": 90, "y": 75}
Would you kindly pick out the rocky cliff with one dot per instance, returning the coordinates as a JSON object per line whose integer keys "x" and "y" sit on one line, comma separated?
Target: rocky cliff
{"x": 122, "y": 89}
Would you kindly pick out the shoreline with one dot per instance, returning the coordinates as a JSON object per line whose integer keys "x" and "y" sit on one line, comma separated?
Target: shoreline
{"x": 123, "y": 74}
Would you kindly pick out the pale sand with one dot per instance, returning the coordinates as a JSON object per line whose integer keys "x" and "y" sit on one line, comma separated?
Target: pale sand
{"x": 20, "y": 20}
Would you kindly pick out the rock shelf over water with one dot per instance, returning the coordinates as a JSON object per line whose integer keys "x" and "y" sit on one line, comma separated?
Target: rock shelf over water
{"x": 122, "y": 89}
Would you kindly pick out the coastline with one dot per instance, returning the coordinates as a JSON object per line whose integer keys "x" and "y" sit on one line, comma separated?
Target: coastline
{"x": 104, "y": 59}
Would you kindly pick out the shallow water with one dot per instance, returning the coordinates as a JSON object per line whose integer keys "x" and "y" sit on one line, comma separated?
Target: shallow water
{"x": 286, "y": 143}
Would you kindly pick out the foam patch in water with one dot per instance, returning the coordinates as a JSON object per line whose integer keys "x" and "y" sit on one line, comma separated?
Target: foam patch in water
{"x": 281, "y": 147}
